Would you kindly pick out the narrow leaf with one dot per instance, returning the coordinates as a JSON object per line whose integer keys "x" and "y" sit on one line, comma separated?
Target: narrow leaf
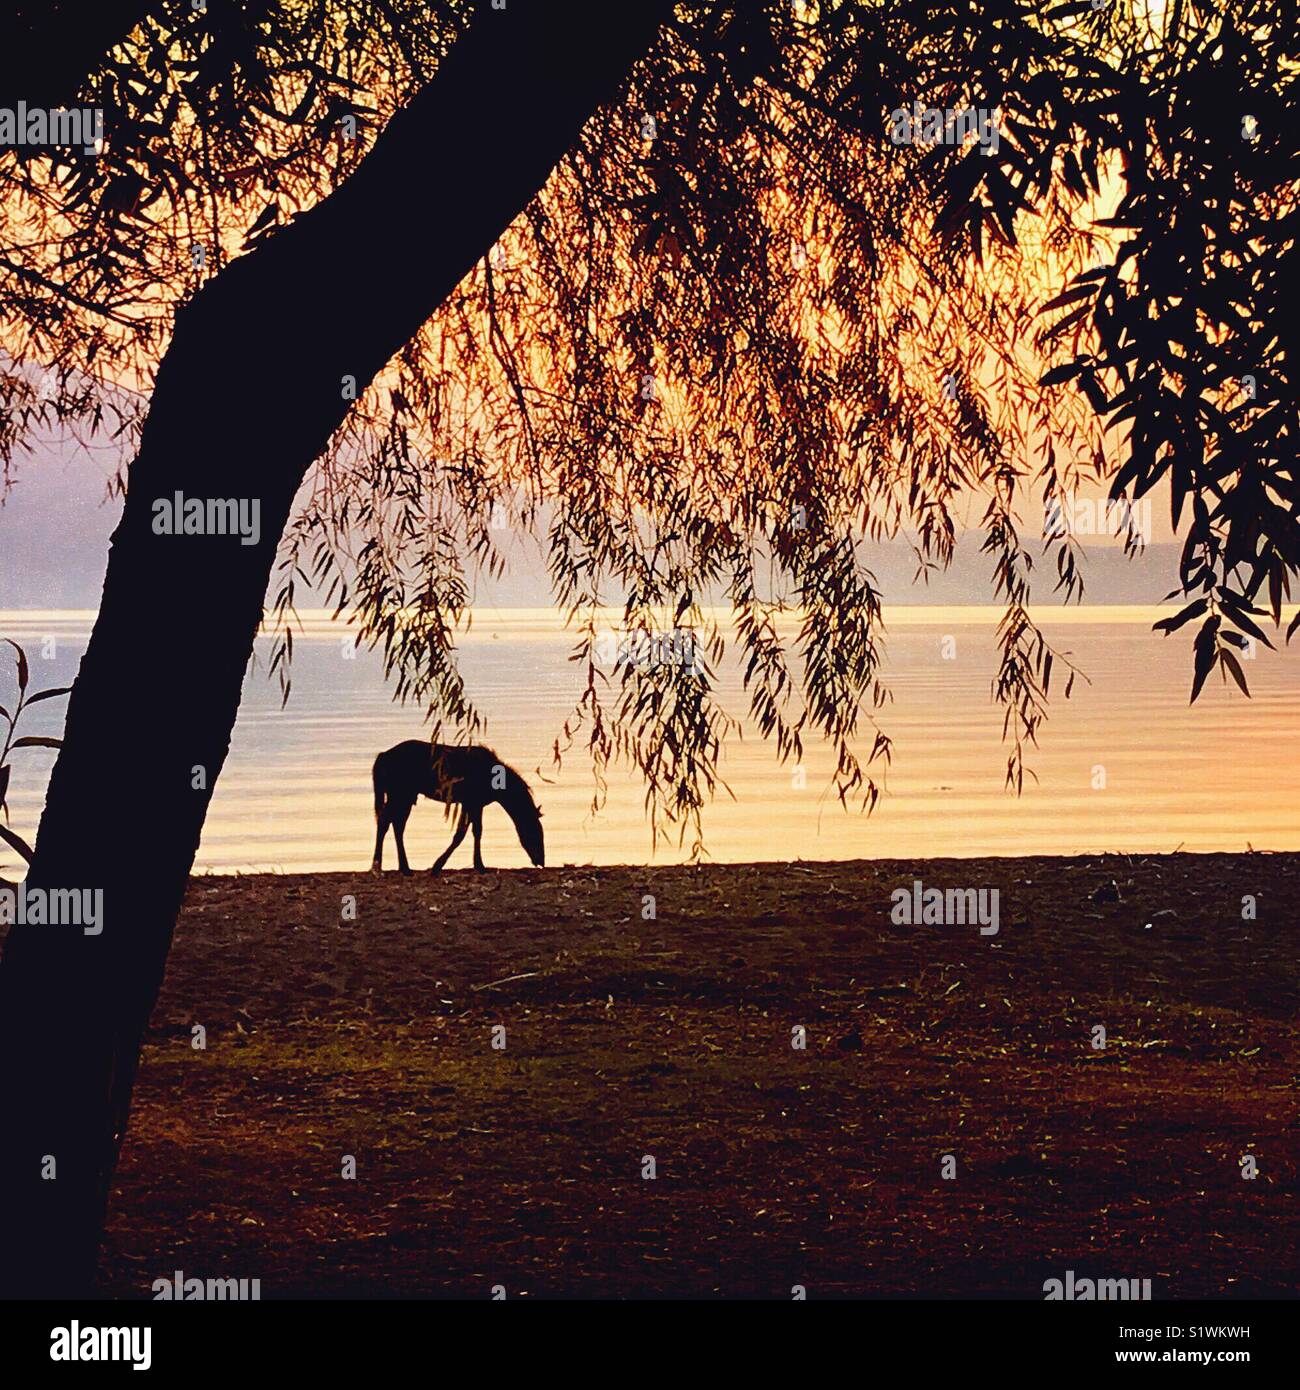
{"x": 17, "y": 841}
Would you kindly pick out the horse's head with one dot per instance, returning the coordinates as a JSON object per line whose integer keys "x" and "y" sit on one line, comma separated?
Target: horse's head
{"x": 527, "y": 816}
{"x": 530, "y": 836}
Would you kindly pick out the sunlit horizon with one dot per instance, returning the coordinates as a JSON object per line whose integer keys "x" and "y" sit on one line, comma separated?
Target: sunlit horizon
{"x": 295, "y": 794}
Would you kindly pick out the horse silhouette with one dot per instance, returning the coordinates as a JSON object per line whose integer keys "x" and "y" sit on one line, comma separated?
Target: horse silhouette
{"x": 470, "y": 777}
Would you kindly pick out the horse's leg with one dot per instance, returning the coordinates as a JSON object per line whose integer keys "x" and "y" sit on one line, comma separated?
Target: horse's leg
{"x": 462, "y": 825}
{"x": 381, "y": 819}
{"x": 399, "y": 818}
{"x": 476, "y": 820}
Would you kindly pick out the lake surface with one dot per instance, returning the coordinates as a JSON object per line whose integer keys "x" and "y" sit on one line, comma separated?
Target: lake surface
{"x": 295, "y": 794}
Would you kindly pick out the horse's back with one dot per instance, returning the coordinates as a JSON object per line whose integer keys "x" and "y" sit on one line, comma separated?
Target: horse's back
{"x": 463, "y": 758}
{"x": 437, "y": 770}
{"x": 463, "y": 770}
{"x": 409, "y": 755}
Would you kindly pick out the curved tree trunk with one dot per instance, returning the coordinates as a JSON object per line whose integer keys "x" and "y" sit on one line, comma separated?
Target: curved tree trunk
{"x": 245, "y": 399}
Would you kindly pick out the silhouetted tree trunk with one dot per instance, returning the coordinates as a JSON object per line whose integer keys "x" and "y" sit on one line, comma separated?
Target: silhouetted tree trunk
{"x": 245, "y": 399}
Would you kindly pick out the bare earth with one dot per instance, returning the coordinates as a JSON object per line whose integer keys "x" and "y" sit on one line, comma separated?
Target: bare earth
{"x": 671, "y": 1038}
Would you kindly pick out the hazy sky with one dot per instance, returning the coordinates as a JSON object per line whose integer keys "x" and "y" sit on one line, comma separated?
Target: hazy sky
{"x": 57, "y": 520}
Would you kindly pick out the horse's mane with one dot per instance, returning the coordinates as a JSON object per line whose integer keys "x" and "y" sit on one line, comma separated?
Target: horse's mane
{"x": 518, "y": 793}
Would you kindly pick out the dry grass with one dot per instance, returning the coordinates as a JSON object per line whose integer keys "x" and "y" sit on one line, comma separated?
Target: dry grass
{"x": 672, "y": 1038}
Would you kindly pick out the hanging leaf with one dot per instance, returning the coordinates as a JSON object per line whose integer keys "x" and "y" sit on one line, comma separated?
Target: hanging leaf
{"x": 1204, "y": 650}
{"x": 17, "y": 842}
{"x": 22, "y": 664}
{"x": 1233, "y": 667}
{"x": 49, "y": 694}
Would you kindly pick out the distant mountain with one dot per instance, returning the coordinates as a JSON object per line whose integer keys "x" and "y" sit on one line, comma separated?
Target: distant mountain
{"x": 56, "y": 522}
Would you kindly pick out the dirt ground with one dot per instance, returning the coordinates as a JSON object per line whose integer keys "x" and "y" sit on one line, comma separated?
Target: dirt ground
{"x": 670, "y": 1038}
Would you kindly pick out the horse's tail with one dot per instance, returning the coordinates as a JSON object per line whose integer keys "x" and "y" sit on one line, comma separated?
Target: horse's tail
{"x": 379, "y": 788}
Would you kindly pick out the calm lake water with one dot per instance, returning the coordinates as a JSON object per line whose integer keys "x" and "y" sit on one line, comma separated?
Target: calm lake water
{"x": 295, "y": 794}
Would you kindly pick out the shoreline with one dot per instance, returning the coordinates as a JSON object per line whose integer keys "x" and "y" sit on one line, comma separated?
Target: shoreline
{"x": 631, "y": 866}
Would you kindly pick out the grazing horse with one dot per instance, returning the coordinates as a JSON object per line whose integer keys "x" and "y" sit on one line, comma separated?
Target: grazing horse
{"x": 471, "y": 778}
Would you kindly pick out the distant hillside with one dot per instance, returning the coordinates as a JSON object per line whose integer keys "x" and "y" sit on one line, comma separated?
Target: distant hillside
{"x": 56, "y": 523}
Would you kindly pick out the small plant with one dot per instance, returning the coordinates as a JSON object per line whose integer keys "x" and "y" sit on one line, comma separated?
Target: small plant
{"x": 27, "y": 741}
